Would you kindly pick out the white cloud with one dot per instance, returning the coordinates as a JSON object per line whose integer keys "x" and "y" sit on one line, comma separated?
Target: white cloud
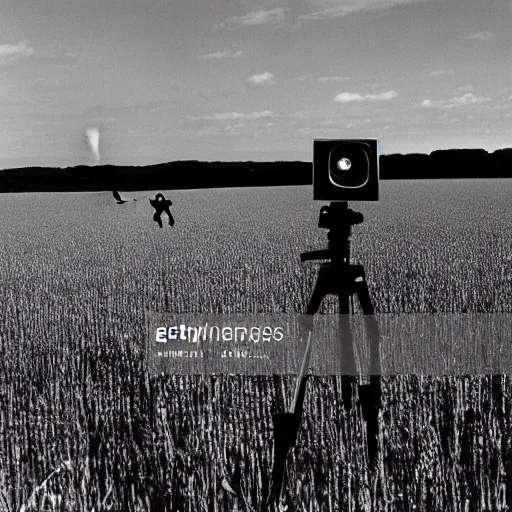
{"x": 262, "y": 79}
{"x": 253, "y": 18}
{"x": 224, "y": 116}
{"x": 389, "y": 95}
{"x": 323, "y": 79}
{"x": 348, "y": 97}
{"x": 10, "y": 52}
{"x": 333, "y": 79}
{"x": 441, "y": 72}
{"x": 346, "y": 7}
{"x": 481, "y": 36}
{"x": 222, "y": 55}
{"x": 342, "y": 122}
{"x": 466, "y": 99}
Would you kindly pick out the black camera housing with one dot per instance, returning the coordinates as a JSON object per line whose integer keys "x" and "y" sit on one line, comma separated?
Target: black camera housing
{"x": 346, "y": 169}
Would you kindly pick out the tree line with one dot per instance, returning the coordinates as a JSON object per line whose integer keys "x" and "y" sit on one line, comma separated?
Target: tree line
{"x": 440, "y": 164}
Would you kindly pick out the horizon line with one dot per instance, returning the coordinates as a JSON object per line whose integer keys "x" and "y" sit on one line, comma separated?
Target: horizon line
{"x": 99, "y": 164}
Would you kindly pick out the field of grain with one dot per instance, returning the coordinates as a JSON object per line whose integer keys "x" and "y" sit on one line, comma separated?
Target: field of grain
{"x": 82, "y": 427}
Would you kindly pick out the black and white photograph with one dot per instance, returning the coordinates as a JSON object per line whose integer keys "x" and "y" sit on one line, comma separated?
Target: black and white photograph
{"x": 255, "y": 256}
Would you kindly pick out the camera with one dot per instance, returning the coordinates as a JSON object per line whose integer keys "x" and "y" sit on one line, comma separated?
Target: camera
{"x": 346, "y": 169}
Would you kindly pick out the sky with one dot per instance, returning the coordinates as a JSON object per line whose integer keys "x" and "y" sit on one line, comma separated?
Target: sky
{"x": 160, "y": 80}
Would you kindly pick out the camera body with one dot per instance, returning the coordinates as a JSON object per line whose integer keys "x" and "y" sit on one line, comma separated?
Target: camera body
{"x": 346, "y": 169}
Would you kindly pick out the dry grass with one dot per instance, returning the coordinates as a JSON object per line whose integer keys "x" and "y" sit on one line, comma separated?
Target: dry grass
{"x": 80, "y": 415}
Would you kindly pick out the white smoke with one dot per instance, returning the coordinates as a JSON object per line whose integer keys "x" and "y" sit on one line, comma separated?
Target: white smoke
{"x": 93, "y": 140}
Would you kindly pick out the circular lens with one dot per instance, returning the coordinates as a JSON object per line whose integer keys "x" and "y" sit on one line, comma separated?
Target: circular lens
{"x": 344, "y": 164}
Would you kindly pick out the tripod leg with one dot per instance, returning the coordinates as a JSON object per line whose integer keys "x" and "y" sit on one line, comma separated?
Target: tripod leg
{"x": 371, "y": 325}
{"x": 286, "y": 425}
{"x": 306, "y": 326}
{"x": 370, "y": 394}
{"x": 319, "y": 292}
{"x": 306, "y": 321}
{"x": 346, "y": 343}
{"x": 369, "y": 400}
{"x": 348, "y": 361}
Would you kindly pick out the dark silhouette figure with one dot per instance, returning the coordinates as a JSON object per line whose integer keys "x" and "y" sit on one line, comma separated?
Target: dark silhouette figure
{"x": 161, "y": 205}
{"x": 118, "y": 197}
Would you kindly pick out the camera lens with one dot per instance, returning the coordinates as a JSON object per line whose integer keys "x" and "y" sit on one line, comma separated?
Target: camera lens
{"x": 344, "y": 164}
{"x": 349, "y": 165}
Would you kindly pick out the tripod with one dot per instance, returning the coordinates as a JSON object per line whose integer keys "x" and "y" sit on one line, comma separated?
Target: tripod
{"x": 343, "y": 279}
{"x": 340, "y": 277}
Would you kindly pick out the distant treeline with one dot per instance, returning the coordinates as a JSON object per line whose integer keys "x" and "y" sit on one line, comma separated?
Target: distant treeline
{"x": 450, "y": 164}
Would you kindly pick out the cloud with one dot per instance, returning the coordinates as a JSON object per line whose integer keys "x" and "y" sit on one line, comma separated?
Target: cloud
{"x": 221, "y": 55}
{"x": 11, "y": 52}
{"x": 262, "y": 79}
{"x": 347, "y": 7}
{"x": 253, "y": 18}
{"x": 236, "y": 116}
{"x": 355, "y": 121}
{"x": 466, "y": 99}
{"x": 333, "y": 79}
{"x": 348, "y": 97}
{"x": 441, "y": 72}
{"x": 323, "y": 79}
{"x": 481, "y": 36}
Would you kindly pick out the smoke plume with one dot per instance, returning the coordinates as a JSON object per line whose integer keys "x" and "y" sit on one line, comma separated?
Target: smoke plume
{"x": 93, "y": 140}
